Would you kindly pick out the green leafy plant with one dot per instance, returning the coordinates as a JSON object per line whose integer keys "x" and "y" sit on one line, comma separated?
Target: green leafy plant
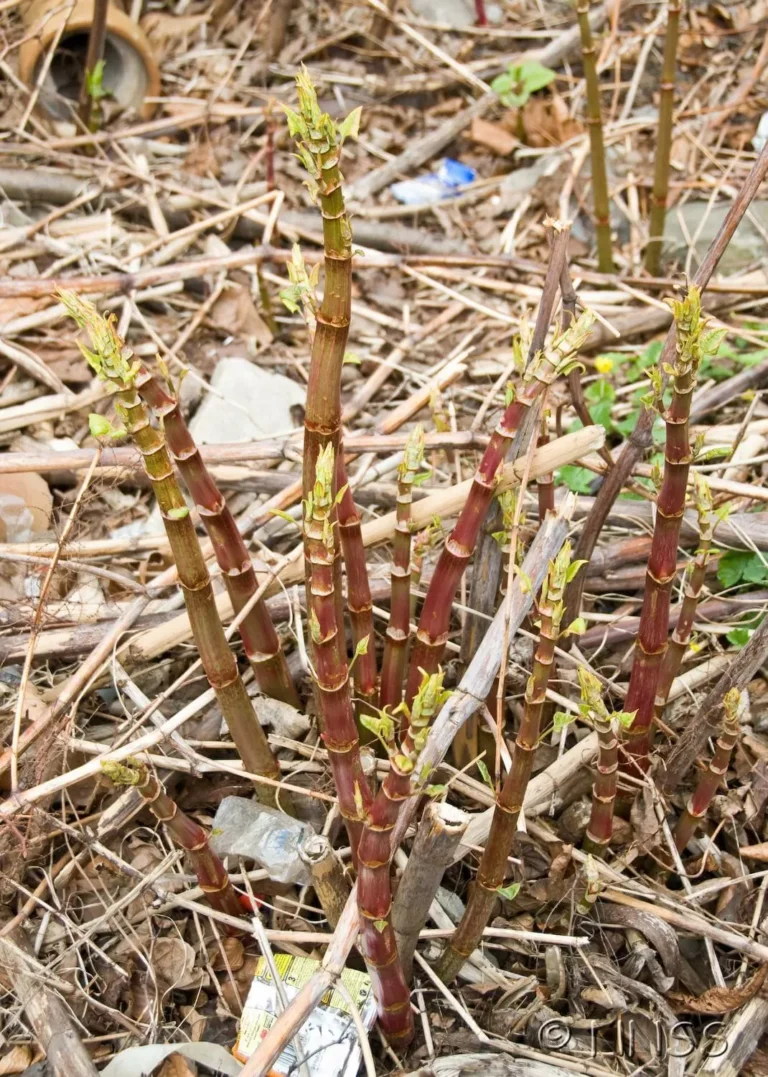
{"x": 521, "y": 80}
{"x": 94, "y": 83}
{"x": 578, "y": 479}
{"x": 741, "y": 635}
{"x": 738, "y": 566}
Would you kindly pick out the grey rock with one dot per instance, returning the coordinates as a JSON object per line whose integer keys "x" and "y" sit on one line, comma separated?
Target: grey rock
{"x": 450, "y": 903}
{"x": 246, "y": 828}
{"x": 518, "y": 184}
{"x": 574, "y": 821}
{"x": 247, "y": 403}
{"x": 284, "y": 719}
{"x": 747, "y": 247}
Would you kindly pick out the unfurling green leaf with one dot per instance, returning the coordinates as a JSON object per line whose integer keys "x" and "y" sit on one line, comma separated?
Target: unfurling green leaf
{"x": 350, "y": 127}
{"x": 296, "y": 126}
{"x": 624, "y": 718}
{"x": 94, "y": 82}
{"x": 561, "y": 720}
{"x": 435, "y": 790}
{"x": 290, "y": 297}
{"x": 179, "y": 513}
{"x": 381, "y": 726}
{"x": 526, "y": 583}
{"x": 573, "y": 568}
{"x": 285, "y": 516}
{"x": 486, "y": 776}
{"x": 109, "y": 356}
{"x": 576, "y": 627}
{"x": 101, "y": 427}
{"x": 509, "y": 893}
{"x": 362, "y": 646}
{"x": 380, "y": 925}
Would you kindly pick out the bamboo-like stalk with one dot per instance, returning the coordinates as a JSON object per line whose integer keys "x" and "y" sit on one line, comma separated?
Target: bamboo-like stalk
{"x": 211, "y": 874}
{"x": 421, "y": 542}
{"x": 111, "y": 360}
{"x": 693, "y": 586}
{"x": 374, "y": 891}
{"x": 359, "y": 601}
{"x": 260, "y": 640}
{"x": 545, "y": 484}
{"x": 398, "y": 629}
{"x": 483, "y": 602}
{"x": 509, "y": 801}
{"x": 692, "y": 343}
{"x": 600, "y": 197}
{"x": 545, "y": 366}
{"x": 664, "y": 141}
{"x": 329, "y": 651}
{"x": 734, "y": 705}
{"x": 319, "y": 140}
{"x": 508, "y": 504}
{"x": 600, "y": 828}
{"x": 301, "y": 296}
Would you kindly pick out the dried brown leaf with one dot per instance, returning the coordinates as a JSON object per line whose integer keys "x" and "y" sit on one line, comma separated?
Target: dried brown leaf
{"x": 24, "y": 491}
{"x": 197, "y": 1022}
{"x": 233, "y": 955}
{"x": 16, "y": 1061}
{"x": 176, "y": 1065}
{"x": 720, "y": 999}
{"x": 174, "y": 962}
{"x": 495, "y": 137}
{"x": 235, "y": 312}
{"x": 547, "y": 122}
{"x": 234, "y": 991}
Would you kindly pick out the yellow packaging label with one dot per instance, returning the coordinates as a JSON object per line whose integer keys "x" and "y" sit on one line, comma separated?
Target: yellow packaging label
{"x": 328, "y": 1040}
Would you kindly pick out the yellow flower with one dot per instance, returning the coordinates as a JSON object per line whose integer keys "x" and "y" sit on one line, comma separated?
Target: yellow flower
{"x": 603, "y": 364}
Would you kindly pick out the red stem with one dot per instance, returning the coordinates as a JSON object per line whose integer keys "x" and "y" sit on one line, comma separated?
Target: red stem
{"x": 434, "y": 623}
{"x": 398, "y": 630}
{"x": 359, "y": 601}
{"x": 710, "y": 779}
{"x": 260, "y": 640}
{"x": 662, "y": 564}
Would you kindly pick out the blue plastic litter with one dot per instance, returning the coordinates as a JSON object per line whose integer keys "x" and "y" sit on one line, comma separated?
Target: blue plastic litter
{"x": 434, "y": 186}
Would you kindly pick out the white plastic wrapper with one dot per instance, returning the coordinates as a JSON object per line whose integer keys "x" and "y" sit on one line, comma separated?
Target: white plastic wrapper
{"x": 329, "y": 1040}
{"x": 247, "y": 828}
